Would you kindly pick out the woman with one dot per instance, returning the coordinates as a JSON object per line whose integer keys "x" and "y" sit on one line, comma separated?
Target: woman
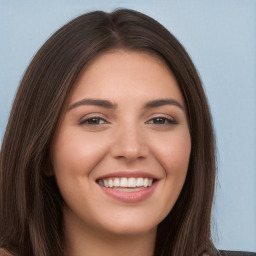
{"x": 109, "y": 148}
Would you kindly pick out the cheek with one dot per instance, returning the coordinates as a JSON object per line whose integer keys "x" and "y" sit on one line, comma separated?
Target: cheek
{"x": 75, "y": 154}
{"x": 74, "y": 157}
{"x": 173, "y": 152}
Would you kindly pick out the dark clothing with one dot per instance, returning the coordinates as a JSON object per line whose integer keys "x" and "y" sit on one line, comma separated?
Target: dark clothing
{"x": 233, "y": 253}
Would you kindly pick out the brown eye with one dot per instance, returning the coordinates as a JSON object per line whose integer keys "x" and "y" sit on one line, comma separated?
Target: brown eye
{"x": 162, "y": 121}
{"x": 93, "y": 121}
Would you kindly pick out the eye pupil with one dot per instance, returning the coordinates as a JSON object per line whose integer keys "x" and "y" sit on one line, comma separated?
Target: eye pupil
{"x": 159, "y": 120}
{"x": 93, "y": 121}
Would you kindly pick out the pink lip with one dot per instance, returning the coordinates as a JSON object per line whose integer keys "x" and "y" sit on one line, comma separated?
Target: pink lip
{"x": 130, "y": 197}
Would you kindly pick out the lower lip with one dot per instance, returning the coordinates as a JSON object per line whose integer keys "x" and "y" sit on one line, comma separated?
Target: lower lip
{"x": 130, "y": 197}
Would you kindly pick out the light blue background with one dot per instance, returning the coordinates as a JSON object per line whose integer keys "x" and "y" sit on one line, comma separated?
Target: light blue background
{"x": 220, "y": 36}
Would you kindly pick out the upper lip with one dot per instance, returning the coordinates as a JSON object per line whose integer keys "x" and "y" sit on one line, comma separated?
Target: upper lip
{"x": 128, "y": 174}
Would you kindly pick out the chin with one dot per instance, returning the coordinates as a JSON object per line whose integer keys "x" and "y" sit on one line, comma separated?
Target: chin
{"x": 131, "y": 224}
{"x": 126, "y": 229}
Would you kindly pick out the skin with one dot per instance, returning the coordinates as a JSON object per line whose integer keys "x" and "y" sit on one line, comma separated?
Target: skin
{"x": 127, "y": 138}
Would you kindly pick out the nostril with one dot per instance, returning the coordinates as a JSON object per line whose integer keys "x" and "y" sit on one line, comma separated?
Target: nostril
{"x": 129, "y": 144}
{"x": 129, "y": 152}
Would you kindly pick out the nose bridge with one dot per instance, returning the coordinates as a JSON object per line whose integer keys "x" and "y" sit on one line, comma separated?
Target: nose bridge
{"x": 130, "y": 142}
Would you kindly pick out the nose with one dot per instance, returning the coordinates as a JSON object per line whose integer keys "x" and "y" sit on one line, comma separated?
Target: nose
{"x": 130, "y": 144}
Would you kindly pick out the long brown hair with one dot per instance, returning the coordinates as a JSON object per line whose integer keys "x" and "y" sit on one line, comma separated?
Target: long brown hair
{"x": 30, "y": 202}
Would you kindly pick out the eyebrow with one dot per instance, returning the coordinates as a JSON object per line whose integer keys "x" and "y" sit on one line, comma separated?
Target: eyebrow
{"x": 96, "y": 102}
{"x": 163, "y": 102}
{"x": 110, "y": 105}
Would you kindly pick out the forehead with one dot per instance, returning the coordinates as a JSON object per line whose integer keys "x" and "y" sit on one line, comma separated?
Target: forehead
{"x": 126, "y": 72}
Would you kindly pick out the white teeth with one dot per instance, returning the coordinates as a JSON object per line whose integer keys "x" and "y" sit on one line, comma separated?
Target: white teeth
{"x": 124, "y": 182}
{"x": 105, "y": 183}
{"x": 145, "y": 181}
{"x": 140, "y": 182}
{"x": 110, "y": 183}
{"x": 131, "y": 182}
{"x": 116, "y": 182}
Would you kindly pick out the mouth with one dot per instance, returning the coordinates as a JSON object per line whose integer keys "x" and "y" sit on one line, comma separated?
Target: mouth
{"x": 126, "y": 184}
{"x": 128, "y": 187}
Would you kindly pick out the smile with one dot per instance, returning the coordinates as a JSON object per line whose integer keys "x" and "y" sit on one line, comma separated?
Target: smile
{"x": 121, "y": 183}
{"x": 128, "y": 188}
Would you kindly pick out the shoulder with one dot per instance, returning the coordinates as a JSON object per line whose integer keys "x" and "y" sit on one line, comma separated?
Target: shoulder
{"x": 236, "y": 253}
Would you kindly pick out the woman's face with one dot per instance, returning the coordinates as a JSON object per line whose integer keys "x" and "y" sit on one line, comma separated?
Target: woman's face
{"x": 121, "y": 153}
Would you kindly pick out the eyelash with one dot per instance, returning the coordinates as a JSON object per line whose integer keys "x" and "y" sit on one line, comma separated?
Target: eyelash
{"x": 167, "y": 121}
{"x": 98, "y": 118}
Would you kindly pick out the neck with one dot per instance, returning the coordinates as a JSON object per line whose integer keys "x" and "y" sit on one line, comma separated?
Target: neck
{"x": 81, "y": 241}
